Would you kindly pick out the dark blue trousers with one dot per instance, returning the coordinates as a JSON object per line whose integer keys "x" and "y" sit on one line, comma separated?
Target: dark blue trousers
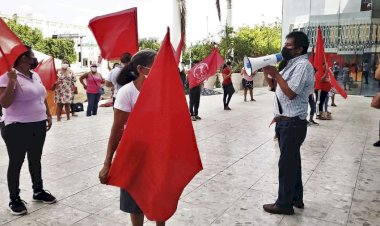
{"x": 93, "y": 101}
{"x": 291, "y": 134}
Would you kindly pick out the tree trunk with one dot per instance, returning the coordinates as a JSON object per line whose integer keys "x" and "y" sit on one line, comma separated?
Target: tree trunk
{"x": 229, "y": 13}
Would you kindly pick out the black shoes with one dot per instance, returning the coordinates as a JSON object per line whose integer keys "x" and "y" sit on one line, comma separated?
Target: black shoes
{"x": 377, "y": 144}
{"x": 197, "y": 117}
{"x": 17, "y": 207}
{"x": 44, "y": 197}
{"x": 275, "y": 209}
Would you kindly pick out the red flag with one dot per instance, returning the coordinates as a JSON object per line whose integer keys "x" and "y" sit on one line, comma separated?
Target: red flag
{"x": 336, "y": 85}
{"x": 116, "y": 33}
{"x": 46, "y": 70}
{"x": 319, "y": 60}
{"x": 10, "y": 48}
{"x": 157, "y": 156}
{"x": 319, "y": 57}
{"x": 205, "y": 69}
{"x": 179, "y": 49}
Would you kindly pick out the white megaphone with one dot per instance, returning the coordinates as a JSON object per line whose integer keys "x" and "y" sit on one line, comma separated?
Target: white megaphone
{"x": 253, "y": 64}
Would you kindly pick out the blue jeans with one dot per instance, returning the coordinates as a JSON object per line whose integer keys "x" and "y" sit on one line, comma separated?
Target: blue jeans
{"x": 291, "y": 134}
{"x": 93, "y": 101}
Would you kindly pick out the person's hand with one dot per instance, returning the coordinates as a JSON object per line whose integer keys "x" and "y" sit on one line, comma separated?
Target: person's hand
{"x": 272, "y": 71}
{"x": 84, "y": 86}
{"x": 49, "y": 123}
{"x": 103, "y": 174}
{"x": 12, "y": 75}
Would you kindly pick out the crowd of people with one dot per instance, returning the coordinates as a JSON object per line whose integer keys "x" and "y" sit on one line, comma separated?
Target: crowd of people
{"x": 27, "y": 114}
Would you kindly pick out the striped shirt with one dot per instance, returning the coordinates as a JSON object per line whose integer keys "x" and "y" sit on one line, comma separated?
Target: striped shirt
{"x": 299, "y": 74}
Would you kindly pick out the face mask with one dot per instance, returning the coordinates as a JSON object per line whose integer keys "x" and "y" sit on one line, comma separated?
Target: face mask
{"x": 34, "y": 64}
{"x": 286, "y": 54}
{"x": 93, "y": 69}
{"x": 65, "y": 66}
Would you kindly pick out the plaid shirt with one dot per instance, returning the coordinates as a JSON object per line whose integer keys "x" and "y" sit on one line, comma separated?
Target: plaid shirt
{"x": 299, "y": 74}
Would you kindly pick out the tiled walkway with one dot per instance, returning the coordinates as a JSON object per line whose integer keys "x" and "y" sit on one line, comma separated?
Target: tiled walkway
{"x": 341, "y": 170}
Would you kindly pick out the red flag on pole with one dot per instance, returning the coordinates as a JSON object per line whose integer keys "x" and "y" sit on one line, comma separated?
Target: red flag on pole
{"x": 46, "y": 70}
{"x": 116, "y": 33}
{"x": 157, "y": 156}
{"x": 205, "y": 69}
{"x": 320, "y": 60}
{"x": 179, "y": 49}
{"x": 10, "y": 48}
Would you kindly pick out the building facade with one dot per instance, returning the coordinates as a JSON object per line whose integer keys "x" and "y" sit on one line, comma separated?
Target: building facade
{"x": 351, "y": 34}
{"x": 85, "y": 44}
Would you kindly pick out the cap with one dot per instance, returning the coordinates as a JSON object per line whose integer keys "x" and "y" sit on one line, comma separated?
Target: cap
{"x": 94, "y": 65}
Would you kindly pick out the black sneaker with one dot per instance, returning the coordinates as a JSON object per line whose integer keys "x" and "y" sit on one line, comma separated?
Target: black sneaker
{"x": 17, "y": 207}
{"x": 44, "y": 197}
{"x": 377, "y": 144}
{"x": 197, "y": 117}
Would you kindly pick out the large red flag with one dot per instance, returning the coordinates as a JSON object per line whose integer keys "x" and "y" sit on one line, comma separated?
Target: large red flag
{"x": 46, "y": 70}
{"x": 205, "y": 69}
{"x": 10, "y": 48}
{"x": 179, "y": 48}
{"x": 157, "y": 156}
{"x": 116, "y": 33}
{"x": 319, "y": 60}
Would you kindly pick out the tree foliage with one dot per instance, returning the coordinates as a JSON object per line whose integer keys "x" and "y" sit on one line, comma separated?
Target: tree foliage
{"x": 149, "y": 43}
{"x": 60, "y": 48}
{"x": 198, "y": 51}
{"x": 255, "y": 41}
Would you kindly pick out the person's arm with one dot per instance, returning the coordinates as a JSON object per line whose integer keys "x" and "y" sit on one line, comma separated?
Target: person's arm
{"x": 270, "y": 81}
{"x": 120, "y": 118}
{"x": 101, "y": 77}
{"x": 49, "y": 120}
{"x": 377, "y": 72}
{"x": 84, "y": 76}
{"x": 280, "y": 81}
{"x": 7, "y": 94}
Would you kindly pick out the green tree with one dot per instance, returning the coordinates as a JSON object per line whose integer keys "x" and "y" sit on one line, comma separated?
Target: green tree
{"x": 149, "y": 43}
{"x": 254, "y": 41}
{"x": 198, "y": 51}
{"x": 29, "y": 36}
{"x": 59, "y": 48}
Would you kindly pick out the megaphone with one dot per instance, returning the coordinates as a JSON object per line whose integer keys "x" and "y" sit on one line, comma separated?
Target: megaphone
{"x": 253, "y": 64}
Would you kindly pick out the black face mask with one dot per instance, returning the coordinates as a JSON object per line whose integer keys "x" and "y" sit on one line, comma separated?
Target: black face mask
{"x": 286, "y": 54}
{"x": 34, "y": 64}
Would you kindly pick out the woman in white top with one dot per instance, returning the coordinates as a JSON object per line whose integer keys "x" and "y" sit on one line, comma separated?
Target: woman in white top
{"x": 131, "y": 78}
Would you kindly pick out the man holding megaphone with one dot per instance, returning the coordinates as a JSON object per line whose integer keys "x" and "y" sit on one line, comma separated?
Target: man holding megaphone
{"x": 294, "y": 84}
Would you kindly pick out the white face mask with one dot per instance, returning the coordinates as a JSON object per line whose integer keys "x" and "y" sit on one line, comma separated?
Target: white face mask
{"x": 65, "y": 66}
{"x": 93, "y": 69}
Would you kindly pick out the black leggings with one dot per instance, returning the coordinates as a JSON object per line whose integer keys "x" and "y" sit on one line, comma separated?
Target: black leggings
{"x": 194, "y": 99}
{"x": 228, "y": 91}
{"x": 22, "y": 138}
{"x": 322, "y": 99}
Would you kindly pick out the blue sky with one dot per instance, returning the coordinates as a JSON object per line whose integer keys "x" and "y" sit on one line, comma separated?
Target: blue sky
{"x": 153, "y": 15}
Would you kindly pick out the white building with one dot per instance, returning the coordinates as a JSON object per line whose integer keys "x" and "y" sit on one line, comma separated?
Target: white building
{"x": 90, "y": 50}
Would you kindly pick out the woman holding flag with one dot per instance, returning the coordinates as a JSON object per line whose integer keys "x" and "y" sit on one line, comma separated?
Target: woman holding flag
{"x": 132, "y": 79}
{"x": 23, "y": 127}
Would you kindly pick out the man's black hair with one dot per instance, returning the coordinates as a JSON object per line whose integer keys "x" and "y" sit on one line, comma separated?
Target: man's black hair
{"x": 300, "y": 40}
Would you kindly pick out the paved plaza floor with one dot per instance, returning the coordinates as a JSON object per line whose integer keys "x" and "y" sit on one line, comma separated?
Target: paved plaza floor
{"x": 341, "y": 169}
